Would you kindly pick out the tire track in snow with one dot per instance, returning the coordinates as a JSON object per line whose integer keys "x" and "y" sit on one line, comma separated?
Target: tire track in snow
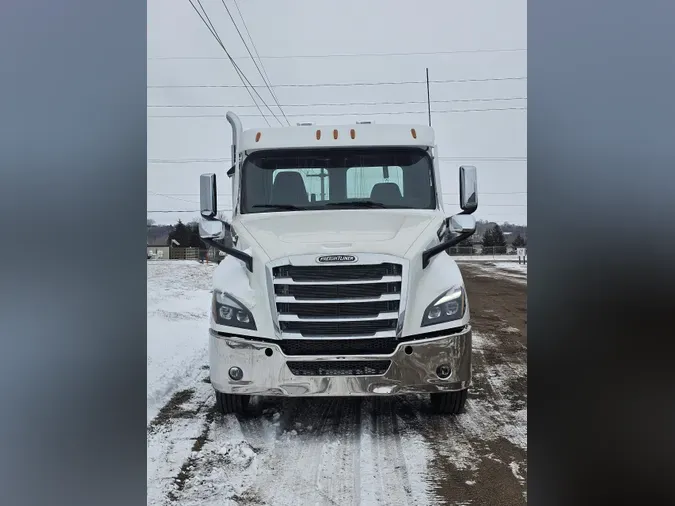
{"x": 297, "y": 444}
{"x": 403, "y": 469}
{"x": 394, "y": 463}
{"x": 356, "y": 454}
{"x": 172, "y": 440}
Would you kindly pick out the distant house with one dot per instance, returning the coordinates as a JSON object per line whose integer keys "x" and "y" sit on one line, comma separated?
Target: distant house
{"x": 158, "y": 251}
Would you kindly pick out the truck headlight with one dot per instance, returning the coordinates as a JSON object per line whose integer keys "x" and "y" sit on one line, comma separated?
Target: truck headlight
{"x": 229, "y": 311}
{"x": 448, "y": 307}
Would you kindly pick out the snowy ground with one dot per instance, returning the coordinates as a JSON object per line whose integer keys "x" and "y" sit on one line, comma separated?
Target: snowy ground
{"x": 327, "y": 451}
{"x": 485, "y": 258}
{"x": 179, "y": 298}
{"x": 512, "y": 270}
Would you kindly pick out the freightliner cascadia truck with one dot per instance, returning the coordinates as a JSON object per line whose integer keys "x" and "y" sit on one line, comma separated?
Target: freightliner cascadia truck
{"x": 337, "y": 279}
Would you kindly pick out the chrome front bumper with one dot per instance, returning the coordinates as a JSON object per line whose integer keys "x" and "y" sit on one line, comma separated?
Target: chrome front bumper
{"x": 407, "y": 374}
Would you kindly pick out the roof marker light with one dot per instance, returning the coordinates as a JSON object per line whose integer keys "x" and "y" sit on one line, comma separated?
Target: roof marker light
{"x": 414, "y": 133}
{"x": 352, "y": 132}
{"x": 335, "y": 134}
{"x": 257, "y": 137}
{"x": 318, "y": 135}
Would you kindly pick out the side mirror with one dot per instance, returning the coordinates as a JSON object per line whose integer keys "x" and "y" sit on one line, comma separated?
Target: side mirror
{"x": 208, "y": 196}
{"x": 468, "y": 189}
{"x": 209, "y": 229}
{"x": 462, "y": 224}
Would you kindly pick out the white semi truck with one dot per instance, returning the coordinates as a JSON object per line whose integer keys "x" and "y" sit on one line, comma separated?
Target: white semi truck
{"x": 337, "y": 281}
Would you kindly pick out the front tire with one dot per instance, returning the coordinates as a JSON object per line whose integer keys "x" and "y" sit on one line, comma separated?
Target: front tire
{"x": 231, "y": 403}
{"x": 449, "y": 403}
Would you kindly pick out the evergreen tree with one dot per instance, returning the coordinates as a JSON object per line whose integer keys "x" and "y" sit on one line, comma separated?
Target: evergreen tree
{"x": 195, "y": 240}
{"x": 519, "y": 242}
{"x": 494, "y": 242}
{"x": 180, "y": 234}
{"x": 488, "y": 242}
{"x": 499, "y": 240}
{"x": 464, "y": 247}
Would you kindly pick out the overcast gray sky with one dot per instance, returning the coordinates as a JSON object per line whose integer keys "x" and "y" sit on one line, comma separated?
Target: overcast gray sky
{"x": 182, "y": 52}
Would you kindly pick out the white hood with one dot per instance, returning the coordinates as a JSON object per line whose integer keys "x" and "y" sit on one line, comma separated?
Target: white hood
{"x": 341, "y": 231}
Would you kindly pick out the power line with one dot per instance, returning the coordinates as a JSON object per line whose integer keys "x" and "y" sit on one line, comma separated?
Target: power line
{"x": 266, "y": 81}
{"x": 236, "y": 68}
{"x": 345, "y": 55}
{"x": 344, "y": 113}
{"x": 240, "y": 73}
{"x": 257, "y": 54}
{"x": 170, "y": 196}
{"x": 316, "y": 85}
{"x": 405, "y": 102}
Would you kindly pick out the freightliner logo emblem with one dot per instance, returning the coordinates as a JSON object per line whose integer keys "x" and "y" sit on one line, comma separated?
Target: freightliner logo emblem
{"x": 336, "y": 258}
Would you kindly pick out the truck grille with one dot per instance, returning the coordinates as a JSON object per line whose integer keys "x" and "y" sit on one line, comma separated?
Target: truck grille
{"x": 338, "y": 301}
{"x": 340, "y": 368}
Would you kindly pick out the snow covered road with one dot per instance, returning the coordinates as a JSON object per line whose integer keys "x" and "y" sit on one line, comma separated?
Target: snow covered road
{"x": 330, "y": 451}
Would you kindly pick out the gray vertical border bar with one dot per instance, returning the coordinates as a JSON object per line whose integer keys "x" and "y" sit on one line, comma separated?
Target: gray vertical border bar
{"x": 73, "y": 276}
{"x": 601, "y": 174}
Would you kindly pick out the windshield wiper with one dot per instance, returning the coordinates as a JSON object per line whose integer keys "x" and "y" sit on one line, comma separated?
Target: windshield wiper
{"x": 358, "y": 203}
{"x": 287, "y": 207}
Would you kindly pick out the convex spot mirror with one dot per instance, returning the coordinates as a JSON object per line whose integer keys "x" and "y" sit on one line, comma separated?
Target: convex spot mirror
{"x": 208, "y": 196}
{"x": 462, "y": 223}
{"x": 209, "y": 229}
{"x": 468, "y": 189}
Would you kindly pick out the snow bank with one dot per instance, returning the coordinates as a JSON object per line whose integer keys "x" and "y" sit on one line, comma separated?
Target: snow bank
{"x": 179, "y": 298}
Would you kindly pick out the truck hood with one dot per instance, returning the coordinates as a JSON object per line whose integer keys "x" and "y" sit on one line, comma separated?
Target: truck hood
{"x": 387, "y": 231}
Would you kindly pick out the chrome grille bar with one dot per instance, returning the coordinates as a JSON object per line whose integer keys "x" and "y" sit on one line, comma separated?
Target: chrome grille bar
{"x": 384, "y": 279}
{"x": 292, "y": 300}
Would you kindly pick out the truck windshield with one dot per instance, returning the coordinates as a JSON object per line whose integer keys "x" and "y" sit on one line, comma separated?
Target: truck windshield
{"x": 297, "y": 180}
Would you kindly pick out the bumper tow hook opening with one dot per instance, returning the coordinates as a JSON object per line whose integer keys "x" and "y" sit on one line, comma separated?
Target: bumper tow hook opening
{"x": 443, "y": 371}
{"x": 408, "y": 350}
{"x": 235, "y": 373}
{"x": 268, "y": 352}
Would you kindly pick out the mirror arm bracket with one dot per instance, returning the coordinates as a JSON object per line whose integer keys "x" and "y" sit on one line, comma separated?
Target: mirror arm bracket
{"x": 435, "y": 250}
{"x": 238, "y": 254}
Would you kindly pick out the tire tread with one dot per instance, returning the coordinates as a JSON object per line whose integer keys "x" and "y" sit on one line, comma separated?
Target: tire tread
{"x": 231, "y": 403}
{"x": 451, "y": 403}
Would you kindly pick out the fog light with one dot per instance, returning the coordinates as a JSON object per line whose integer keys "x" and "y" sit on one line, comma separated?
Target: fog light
{"x": 443, "y": 371}
{"x": 236, "y": 374}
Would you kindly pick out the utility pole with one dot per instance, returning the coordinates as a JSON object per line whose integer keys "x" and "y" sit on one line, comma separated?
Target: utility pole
{"x": 323, "y": 175}
{"x": 428, "y": 98}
